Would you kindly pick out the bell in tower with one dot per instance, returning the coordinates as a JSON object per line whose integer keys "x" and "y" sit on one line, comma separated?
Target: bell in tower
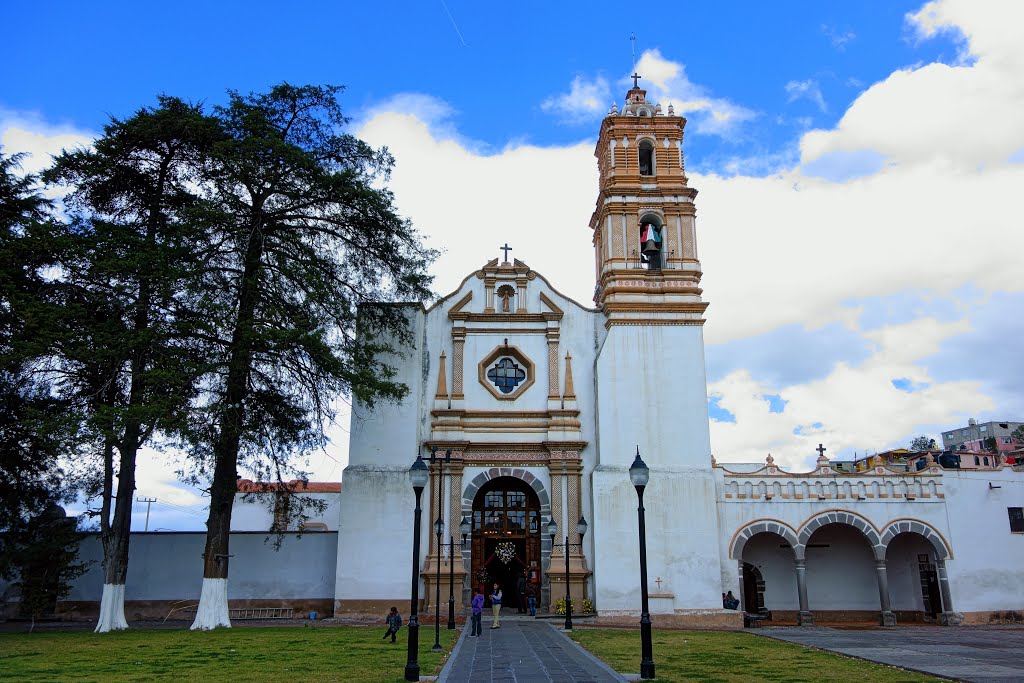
{"x": 650, "y": 244}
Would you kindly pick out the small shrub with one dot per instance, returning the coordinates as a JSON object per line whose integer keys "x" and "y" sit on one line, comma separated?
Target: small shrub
{"x": 583, "y": 606}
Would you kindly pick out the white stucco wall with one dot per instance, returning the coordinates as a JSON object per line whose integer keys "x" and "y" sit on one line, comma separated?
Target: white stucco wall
{"x": 169, "y": 566}
{"x": 255, "y": 512}
{"x": 986, "y": 572}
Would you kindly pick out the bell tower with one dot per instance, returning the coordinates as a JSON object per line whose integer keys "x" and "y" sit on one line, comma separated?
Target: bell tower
{"x": 643, "y": 225}
{"x": 649, "y": 372}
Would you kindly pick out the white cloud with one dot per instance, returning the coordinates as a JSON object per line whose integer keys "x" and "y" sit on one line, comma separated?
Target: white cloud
{"x": 838, "y": 38}
{"x": 38, "y": 139}
{"x": 968, "y": 113}
{"x": 537, "y": 199}
{"x": 667, "y": 83}
{"x": 806, "y": 90}
{"x": 586, "y": 100}
{"x": 856, "y": 407}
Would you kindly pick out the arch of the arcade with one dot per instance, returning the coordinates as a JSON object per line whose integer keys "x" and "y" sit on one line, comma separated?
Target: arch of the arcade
{"x": 837, "y": 565}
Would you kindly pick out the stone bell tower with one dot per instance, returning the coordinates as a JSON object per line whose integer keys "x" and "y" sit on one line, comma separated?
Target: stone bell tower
{"x": 650, "y": 376}
{"x": 644, "y": 235}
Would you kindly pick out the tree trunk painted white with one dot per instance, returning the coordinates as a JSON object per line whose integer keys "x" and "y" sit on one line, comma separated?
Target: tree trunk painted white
{"x": 112, "y": 609}
{"x": 213, "y": 606}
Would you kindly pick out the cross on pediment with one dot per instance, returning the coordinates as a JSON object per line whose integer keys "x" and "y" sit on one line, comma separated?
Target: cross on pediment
{"x": 506, "y": 249}
{"x": 636, "y": 79}
{"x": 821, "y": 450}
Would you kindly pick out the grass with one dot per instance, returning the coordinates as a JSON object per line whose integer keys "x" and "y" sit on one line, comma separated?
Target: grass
{"x": 706, "y": 656}
{"x": 356, "y": 653}
{"x": 341, "y": 653}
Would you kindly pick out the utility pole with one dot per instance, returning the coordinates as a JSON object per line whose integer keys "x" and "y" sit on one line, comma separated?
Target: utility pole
{"x": 149, "y": 503}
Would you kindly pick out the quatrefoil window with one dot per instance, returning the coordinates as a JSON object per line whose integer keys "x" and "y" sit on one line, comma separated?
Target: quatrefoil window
{"x": 506, "y": 375}
{"x": 506, "y": 372}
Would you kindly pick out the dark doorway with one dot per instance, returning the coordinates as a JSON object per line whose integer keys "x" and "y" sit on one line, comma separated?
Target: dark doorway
{"x": 506, "y": 536}
{"x": 929, "y": 586}
{"x": 753, "y": 590}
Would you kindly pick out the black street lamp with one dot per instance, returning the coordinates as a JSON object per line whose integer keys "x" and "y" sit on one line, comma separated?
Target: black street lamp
{"x": 581, "y": 529}
{"x": 464, "y": 528}
{"x": 639, "y": 474}
{"x": 439, "y": 531}
{"x": 419, "y": 474}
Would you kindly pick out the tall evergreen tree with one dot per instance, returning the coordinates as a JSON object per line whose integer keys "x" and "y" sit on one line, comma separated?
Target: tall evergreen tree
{"x": 129, "y": 261}
{"x": 309, "y": 238}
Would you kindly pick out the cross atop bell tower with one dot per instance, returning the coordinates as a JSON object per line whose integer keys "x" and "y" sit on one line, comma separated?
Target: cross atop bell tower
{"x": 644, "y": 231}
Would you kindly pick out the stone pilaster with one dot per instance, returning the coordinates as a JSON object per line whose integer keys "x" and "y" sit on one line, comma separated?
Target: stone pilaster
{"x": 458, "y": 346}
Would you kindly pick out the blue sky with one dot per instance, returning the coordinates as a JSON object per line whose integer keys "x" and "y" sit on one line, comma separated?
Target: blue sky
{"x": 857, "y": 162}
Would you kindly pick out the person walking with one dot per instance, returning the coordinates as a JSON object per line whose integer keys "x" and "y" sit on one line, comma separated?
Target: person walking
{"x": 521, "y": 593}
{"x": 394, "y": 620}
{"x": 496, "y": 605}
{"x": 478, "y": 612}
{"x": 531, "y": 598}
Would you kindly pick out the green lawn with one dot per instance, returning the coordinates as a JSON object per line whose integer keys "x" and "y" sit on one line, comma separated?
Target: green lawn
{"x": 335, "y": 653}
{"x": 706, "y": 656}
{"x": 349, "y": 653}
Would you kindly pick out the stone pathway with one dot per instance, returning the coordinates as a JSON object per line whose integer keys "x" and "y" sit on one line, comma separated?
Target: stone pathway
{"x": 987, "y": 654}
{"x": 523, "y": 650}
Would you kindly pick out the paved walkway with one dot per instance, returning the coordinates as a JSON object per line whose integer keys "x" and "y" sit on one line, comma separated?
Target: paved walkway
{"x": 988, "y": 654}
{"x": 523, "y": 650}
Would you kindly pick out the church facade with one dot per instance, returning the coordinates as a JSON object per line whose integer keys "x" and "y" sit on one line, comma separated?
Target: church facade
{"x": 533, "y": 407}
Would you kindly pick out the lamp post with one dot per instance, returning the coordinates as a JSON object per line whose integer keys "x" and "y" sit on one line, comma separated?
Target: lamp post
{"x": 419, "y": 474}
{"x": 581, "y": 529}
{"x": 464, "y": 528}
{"x": 439, "y": 531}
{"x": 639, "y": 474}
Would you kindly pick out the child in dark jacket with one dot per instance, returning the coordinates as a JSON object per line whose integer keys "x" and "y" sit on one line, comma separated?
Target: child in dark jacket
{"x": 394, "y": 623}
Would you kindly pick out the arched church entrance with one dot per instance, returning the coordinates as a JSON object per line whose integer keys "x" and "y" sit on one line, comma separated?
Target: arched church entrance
{"x": 506, "y": 539}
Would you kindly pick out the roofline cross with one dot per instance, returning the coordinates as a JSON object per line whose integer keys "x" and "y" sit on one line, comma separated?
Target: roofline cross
{"x": 506, "y": 249}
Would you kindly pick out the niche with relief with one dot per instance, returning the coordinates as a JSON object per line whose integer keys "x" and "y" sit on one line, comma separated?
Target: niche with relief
{"x": 506, "y": 295}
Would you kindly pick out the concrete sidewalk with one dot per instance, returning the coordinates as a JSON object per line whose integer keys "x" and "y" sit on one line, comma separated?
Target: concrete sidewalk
{"x": 524, "y": 650}
{"x": 987, "y": 654}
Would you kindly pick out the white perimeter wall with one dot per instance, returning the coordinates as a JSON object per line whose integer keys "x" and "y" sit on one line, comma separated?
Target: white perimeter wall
{"x": 257, "y": 514}
{"x": 169, "y": 566}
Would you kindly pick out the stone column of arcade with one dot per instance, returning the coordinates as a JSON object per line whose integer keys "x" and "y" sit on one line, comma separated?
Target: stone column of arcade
{"x": 948, "y": 617}
{"x": 805, "y": 617}
{"x": 887, "y": 617}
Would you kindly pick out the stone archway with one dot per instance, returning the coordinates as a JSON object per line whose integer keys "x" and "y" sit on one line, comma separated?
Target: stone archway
{"x": 847, "y": 552}
{"x": 764, "y": 554}
{"x": 915, "y": 558}
{"x": 493, "y": 523}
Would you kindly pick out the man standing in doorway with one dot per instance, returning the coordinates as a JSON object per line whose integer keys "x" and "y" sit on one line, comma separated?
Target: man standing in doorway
{"x": 496, "y": 606}
{"x": 521, "y": 593}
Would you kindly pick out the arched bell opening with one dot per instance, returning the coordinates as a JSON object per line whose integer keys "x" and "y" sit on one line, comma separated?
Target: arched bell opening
{"x": 652, "y": 241}
{"x": 645, "y": 150}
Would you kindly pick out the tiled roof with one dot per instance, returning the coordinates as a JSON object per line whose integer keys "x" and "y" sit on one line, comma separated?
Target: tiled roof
{"x": 296, "y": 485}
